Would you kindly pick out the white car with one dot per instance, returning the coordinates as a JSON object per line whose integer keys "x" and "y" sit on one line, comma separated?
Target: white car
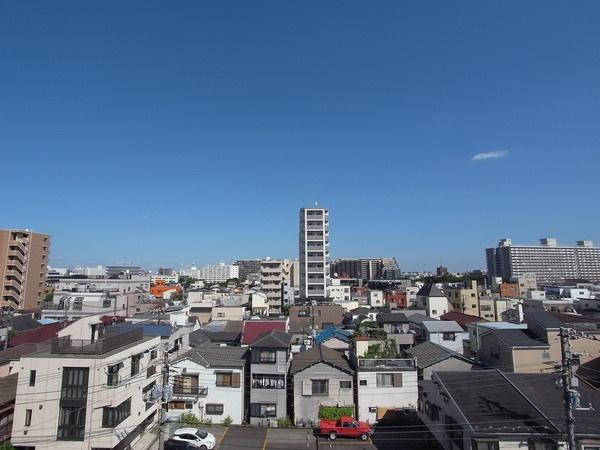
{"x": 195, "y": 437}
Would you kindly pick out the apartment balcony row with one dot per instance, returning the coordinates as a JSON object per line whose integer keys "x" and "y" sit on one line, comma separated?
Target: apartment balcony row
{"x": 15, "y": 263}
{"x": 18, "y": 245}
{"x": 15, "y": 274}
{"x": 9, "y": 303}
{"x": 17, "y": 285}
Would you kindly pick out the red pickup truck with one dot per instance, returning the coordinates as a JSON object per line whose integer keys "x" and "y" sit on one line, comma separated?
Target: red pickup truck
{"x": 345, "y": 427}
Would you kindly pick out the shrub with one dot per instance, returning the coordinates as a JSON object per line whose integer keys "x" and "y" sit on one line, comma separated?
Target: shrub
{"x": 189, "y": 419}
{"x": 227, "y": 421}
{"x": 335, "y": 412}
{"x": 284, "y": 422}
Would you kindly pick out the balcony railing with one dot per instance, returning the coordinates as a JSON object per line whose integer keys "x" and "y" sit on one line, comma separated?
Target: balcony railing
{"x": 66, "y": 345}
{"x": 385, "y": 364}
{"x": 184, "y": 390}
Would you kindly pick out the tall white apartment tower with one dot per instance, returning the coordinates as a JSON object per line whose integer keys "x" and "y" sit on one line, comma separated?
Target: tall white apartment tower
{"x": 314, "y": 253}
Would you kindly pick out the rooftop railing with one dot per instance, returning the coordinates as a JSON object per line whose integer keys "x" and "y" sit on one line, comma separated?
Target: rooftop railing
{"x": 66, "y": 345}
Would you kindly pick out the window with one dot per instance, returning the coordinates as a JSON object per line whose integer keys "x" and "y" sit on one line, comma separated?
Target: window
{"x": 267, "y": 356}
{"x": 448, "y": 336}
{"x": 28, "y": 413}
{"x": 385, "y": 380}
{"x": 485, "y": 445}
{"x": 153, "y": 354}
{"x": 434, "y": 311}
{"x": 268, "y": 381}
{"x": 112, "y": 376}
{"x": 32, "y": 374}
{"x": 111, "y": 417}
{"x": 546, "y": 354}
{"x": 214, "y": 409}
{"x": 71, "y": 423}
{"x": 263, "y": 410}
{"x": 363, "y": 382}
{"x": 228, "y": 379}
{"x": 74, "y": 383}
{"x": 345, "y": 384}
{"x": 135, "y": 364}
{"x": 320, "y": 387}
{"x": 373, "y": 409}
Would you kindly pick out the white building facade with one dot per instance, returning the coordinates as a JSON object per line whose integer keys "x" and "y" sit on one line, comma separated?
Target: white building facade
{"x": 314, "y": 253}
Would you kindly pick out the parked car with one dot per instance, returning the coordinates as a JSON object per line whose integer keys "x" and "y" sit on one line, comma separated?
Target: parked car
{"x": 173, "y": 444}
{"x": 197, "y": 438}
{"x": 345, "y": 427}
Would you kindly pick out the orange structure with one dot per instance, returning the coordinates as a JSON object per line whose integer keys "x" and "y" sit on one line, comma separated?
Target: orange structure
{"x": 160, "y": 287}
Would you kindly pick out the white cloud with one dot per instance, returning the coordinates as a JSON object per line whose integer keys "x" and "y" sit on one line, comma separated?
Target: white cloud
{"x": 496, "y": 154}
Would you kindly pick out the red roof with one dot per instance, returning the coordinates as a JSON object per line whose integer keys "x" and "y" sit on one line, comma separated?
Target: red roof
{"x": 253, "y": 329}
{"x": 461, "y": 319}
{"x": 37, "y": 335}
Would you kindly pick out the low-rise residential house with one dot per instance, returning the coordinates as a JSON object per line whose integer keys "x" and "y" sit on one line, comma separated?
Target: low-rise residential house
{"x": 305, "y": 318}
{"x": 395, "y": 297}
{"x": 201, "y": 311}
{"x": 320, "y": 377}
{"x": 514, "y": 350}
{"x": 489, "y": 409}
{"x": 546, "y": 326}
{"x": 228, "y": 313}
{"x": 385, "y": 385}
{"x": 433, "y": 301}
{"x": 88, "y": 394}
{"x": 259, "y": 303}
{"x": 375, "y": 298}
{"x": 208, "y": 381}
{"x": 464, "y": 298}
{"x": 430, "y": 357}
{"x": 397, "y": 327}
{"x": 335, "y": 338}
{"x": 476, "y": 329}
{"x": 254, "y": 329}
{"x": 218, "y": 332}
{"x": 338, "y": 292}
{"x": 446, "y": 333}
{"x": 269, "y": 364}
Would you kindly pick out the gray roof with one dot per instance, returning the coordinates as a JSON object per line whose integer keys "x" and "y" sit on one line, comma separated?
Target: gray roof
{"x": 273, "y": 339}
{"x": 442, "y": 326}
{"x": 514, "y": 338}
{"x": 203, "y": 336}
{"x": 320, "y": 354}
{"x": 419, "y": 319}
{"x": 216, "y": 356}
{"x": 23, "y": 322}
{"x": 492, "y": 404}
{"x": 385, "y": 317}
{"x": 545, "y": 319}
{"x": 430, "y": 290}
{"x": 360, "y": 310}
{"x": 427, "y": 354}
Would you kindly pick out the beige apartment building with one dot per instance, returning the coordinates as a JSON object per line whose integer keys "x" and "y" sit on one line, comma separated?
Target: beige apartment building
{"x": 464, "y": 299}
{"x": 23, "y": 269}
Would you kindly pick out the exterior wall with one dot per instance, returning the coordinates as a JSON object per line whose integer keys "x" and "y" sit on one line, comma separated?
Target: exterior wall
{"x": 228, "y": 313}
{"x": 371, "y": 396}
{"x": 448, "y": 365}
{"x": 435, "y": 307}
{"x": 314, "y": 253}
{"x": 339, "y": 293}
{"x": 306, "y": 407}
{"x": 396, "y": 297}
{"x": 455, "y": 344}
{"x": 375, "y": 298}
{"x": 336, "y": 344}
{"x": 509, "y": 290}
{"x": 275, "y": 396}
{"x": 519, "y": 360}
{"x": 464, "y": 300}
{"x": 231, "y": 398}
{"x": 43, "y": 398}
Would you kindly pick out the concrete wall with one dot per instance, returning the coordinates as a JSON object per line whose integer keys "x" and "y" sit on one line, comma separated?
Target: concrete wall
{"x": 372, "y": 396}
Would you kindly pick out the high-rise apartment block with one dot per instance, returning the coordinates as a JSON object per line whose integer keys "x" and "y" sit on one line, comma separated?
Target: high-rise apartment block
{"x": 314, "y": 253}
{"x": 275, "y": 274}
{"x": 247, "y": 267}
{"x": 549, "y": 262}
{"x": 362, "y": 268}
{"x": 23, "y": 269}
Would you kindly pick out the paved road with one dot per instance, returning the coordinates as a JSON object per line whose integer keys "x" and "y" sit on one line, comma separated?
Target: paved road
{"x": 243, "y": 438}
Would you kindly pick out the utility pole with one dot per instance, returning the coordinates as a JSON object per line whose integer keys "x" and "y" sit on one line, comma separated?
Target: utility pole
{"x": 569, "y": 393}
{"x": 164, "y": 405}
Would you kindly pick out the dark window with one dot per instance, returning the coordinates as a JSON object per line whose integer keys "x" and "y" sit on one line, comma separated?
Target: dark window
{"x": 112, "y": 376}
{"x": 214, "y": 409}
{"x": 320, "y": 387}
{"x": 135, "y": 364}
{"x": 32, "y": 374}
{"x": 153, "y": 354}
{"x": 448, "y": 336}
{"x": 363, "y": 382}
{"x": 71, "y": 423}
{"x": 267, "y": 356}
{"x": 74, "y": 383}
{"x": 28, "y": 413}
{"x": 485, "y": 445}
{"x": 263, "y": 410}
{"x": 345, "y": 384}
{"x": 111, "y": 417}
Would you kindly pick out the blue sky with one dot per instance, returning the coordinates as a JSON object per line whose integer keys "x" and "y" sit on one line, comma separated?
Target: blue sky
{"x": 169, "y": 133}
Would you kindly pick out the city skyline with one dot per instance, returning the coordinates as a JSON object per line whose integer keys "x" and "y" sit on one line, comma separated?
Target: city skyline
{"x": 454, "y": 125}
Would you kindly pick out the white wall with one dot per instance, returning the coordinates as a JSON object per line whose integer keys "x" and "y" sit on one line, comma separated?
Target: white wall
{"x": 371, "y": 396}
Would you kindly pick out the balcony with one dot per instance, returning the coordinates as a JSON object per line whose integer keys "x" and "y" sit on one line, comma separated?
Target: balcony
{"x": 385, "y": 364}
{"x": 49, "y": 306}
{"x": 13, "y": 283}
{"x": 315, "y": 259}
{"x": 15, "y": 263}
{"x": 17, "y": 255}
{"x": 190, "y": 390}
{"x": 66, "y": 345}
{"x": 8, "y": 302}
{"x": 18, "y": 244}
{"x": 14, "y": 274}
{"x": 314, "y": 228}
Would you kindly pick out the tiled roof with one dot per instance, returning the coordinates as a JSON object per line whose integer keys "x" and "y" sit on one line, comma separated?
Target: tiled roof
{"x": 42, "y": 334}
{"x": 15, "y": 353}
{"x": 492, "y": 404}
{"x": 273, "y": 339}
{"x": 516, "y": 338}
{"x": 442, "y": 326}
{"x": 333, "y": 332}
{"x": 461, "y": 318}
{"x": 23, "y": 323}
{"x": 216, "y": 356}
{"x": 203, "y": 336}
{"x": 392, "y": 317}
{"x": 428, "y": 353}
{"x": 320, "y": 354}
{"x": 253, "y": 329}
